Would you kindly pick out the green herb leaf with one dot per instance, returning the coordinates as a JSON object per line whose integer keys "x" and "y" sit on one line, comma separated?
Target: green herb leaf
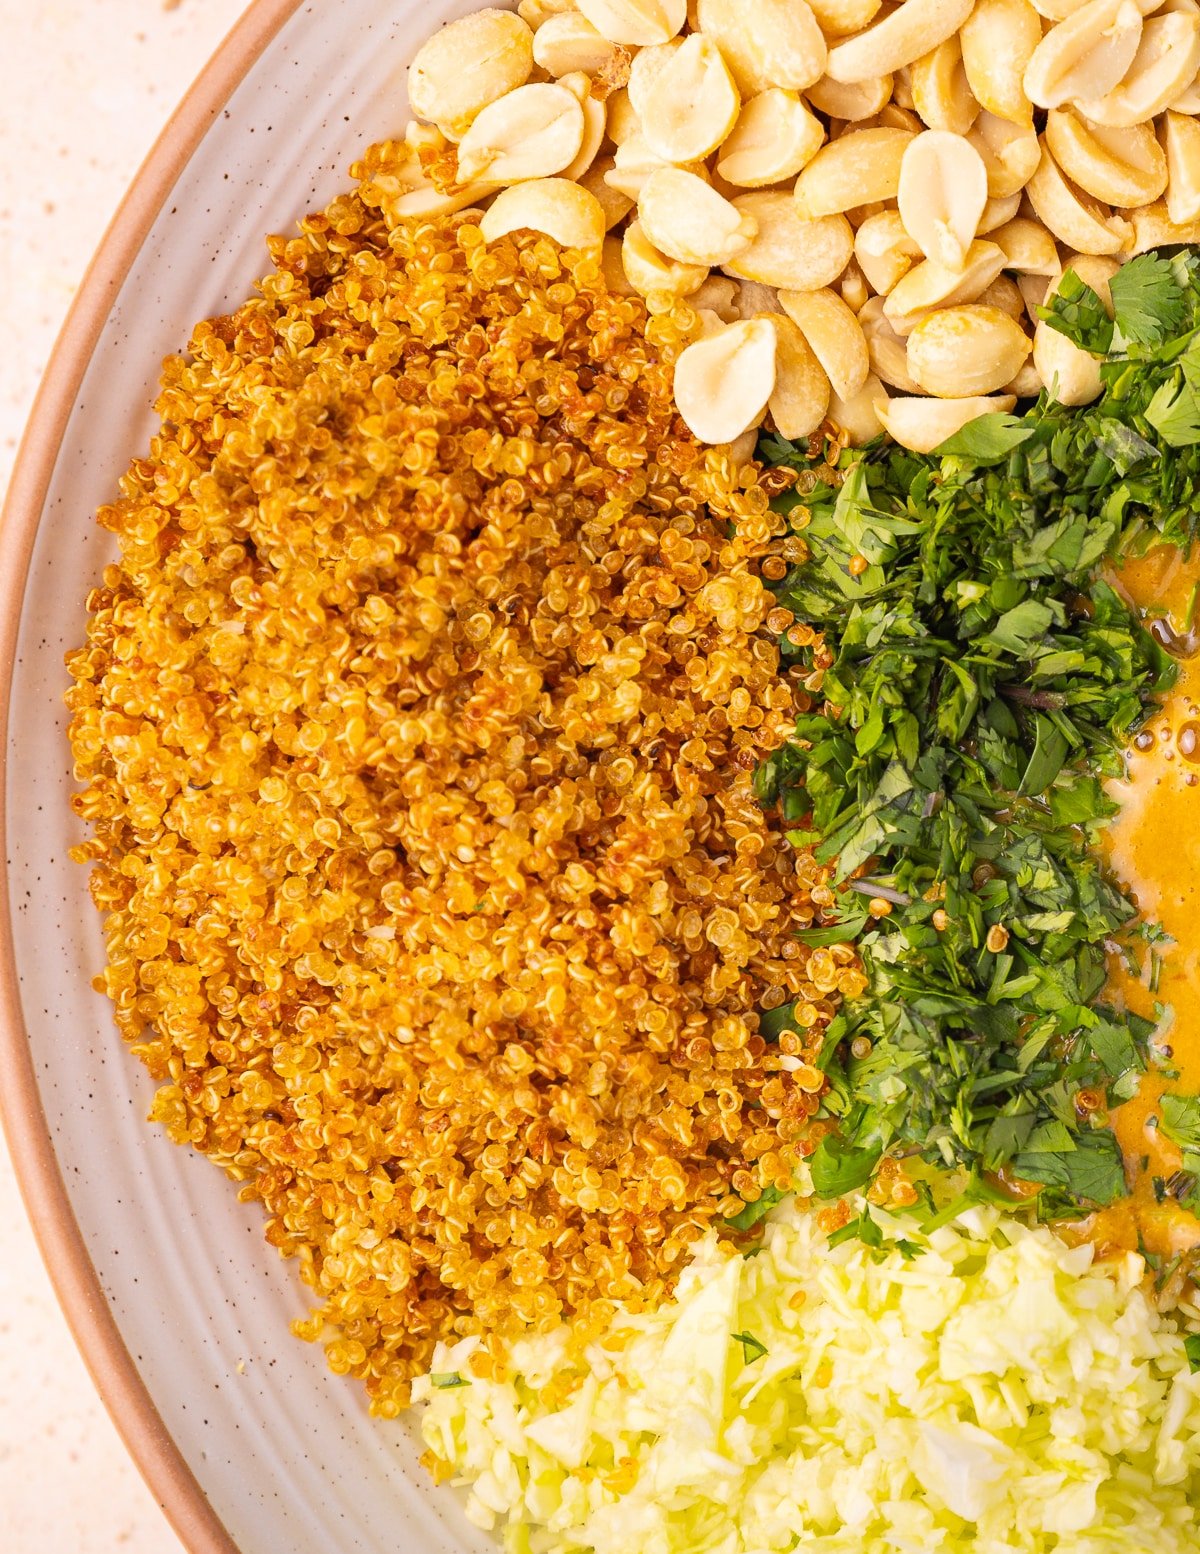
{"x": 1076, "y": 311}
{"x": 987, "y": 439}
{"x": 752, "y": 1348}
{"x": 445, "y": 1380}
{"x": 747, "y": 1218}
{"x": 838, "y": 1167}
{"x": 1191, "y": 1347}
{"x": 1148, "y": 302}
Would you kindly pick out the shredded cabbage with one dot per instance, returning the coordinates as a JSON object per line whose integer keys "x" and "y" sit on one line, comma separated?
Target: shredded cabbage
{"x": 984, "y": 1388}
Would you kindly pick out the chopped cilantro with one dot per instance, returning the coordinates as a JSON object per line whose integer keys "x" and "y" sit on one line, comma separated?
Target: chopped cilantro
{"x": 985, "y": 681}
{"x": 1191, "y": 1347}
{"x": 747, "y": 1218}
{"x": 752, "y": 1348}
{"x": 444, "y": 1380}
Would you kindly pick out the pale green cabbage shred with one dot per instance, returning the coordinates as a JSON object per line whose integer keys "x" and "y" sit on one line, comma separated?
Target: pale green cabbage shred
{"x": 994, "y": 1391}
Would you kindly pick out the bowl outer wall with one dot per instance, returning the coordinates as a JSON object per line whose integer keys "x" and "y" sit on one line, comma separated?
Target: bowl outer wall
{"x": 180, "y": 1309}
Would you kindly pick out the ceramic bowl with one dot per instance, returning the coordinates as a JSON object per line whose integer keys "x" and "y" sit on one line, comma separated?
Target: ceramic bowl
{"x": 181, "y": 1309}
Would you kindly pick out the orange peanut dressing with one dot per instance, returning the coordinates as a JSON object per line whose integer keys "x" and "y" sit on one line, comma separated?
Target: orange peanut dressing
{"x": 1153, "y": 848}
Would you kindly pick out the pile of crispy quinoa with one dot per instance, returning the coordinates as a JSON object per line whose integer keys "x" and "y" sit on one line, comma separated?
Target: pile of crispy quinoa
{"x": 415, "y": 727}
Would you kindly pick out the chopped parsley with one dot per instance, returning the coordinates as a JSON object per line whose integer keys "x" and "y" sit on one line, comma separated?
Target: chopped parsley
{"x": 445, "y": 1380}
{"x": 752, "y": 1348}
{"x": 981, "y": 681}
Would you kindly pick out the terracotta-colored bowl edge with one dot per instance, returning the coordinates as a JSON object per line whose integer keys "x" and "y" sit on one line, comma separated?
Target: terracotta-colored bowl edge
{"x": 75, "y": 1280}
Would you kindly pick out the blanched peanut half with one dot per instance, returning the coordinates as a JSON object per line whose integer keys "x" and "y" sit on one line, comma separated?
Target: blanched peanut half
{"x": 774, "y": 137}
{"x": 538, "y": 12}
{"x": 634, "y": 163}
{"x": 801, "y": 394}
{"x": 555, "y": 206}
{"x": 884, "y": 250}
{"x": 852, "y": 100}
{"x": 647, "y": 66}
{"x": 859, "y": 167}
{"x": 569, "y": 42}
{"x": 1027, "y": 384}
{"x": 902, "y": 89}
{"x": 1085, "y": 55}
{"x": 906, "y": 33}
{"x": 998, "y": 213}
{"x": 838, "y": 18}
{"x": 1166, "y": 62}
{"x": 1072, "y": 216}
{"x": 723, "y": 383}
{"x": 1121, "y": 167}
{"x": 688, "y": 220}
{"x": 1027, "y": 247}
{"x": 1005, "y": 294}
{"x": 531, "y": 133}
{"x": 651, "y": 273}
{"x": 594, "y": 119}
{"x": 1057, "y": 10}
{"x": 766, "y": 42}
{"x": 467, "y": 65}
{"x": 694, "y": 104}
{"x": 1152, "y": 227}
{"x": 1182, "y": 137}
{"x": 887, "y": 351}
{"x": 923, "y": 425}
{"x": 1072, "y": 376}
{"x": 789, "y": 252}
{"x": 835, "y": 335}
{"x": 1188, "y": 100}
{"x": 929, "y": 286}
{"x": 967, "y": 350}
{"x": 719, "y": 295}
{"x": 623, "y": 122}
{"x": 853, "y": 288}
{"x": 1010, "y": 153}
{"x": 856, "y": 416}
{"x": 639, "y": 22}
{"x": 893, "y": 116}
{"x": 941, "y": 95}
{"x": 1034, "y": 288}
{"x": 612, "y": 266}
{"x": 407, "y": 191}
{"x": 943, "y": 189}
{"x": 615, "y": 205}
{"x": 998, "y": 40}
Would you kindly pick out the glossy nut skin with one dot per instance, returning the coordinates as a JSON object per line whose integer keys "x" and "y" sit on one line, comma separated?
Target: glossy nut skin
{"x": 963, "y": 351}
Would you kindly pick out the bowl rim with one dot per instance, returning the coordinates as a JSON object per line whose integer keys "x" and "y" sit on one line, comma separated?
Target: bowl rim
{"x": 22, "y": 1115}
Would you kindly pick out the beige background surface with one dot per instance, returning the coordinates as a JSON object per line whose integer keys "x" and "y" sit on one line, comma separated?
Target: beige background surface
{"x": 85, "y": 86}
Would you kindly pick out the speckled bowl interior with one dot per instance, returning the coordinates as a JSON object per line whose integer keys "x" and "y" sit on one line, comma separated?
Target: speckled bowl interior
{"x": 285, "y": 1452}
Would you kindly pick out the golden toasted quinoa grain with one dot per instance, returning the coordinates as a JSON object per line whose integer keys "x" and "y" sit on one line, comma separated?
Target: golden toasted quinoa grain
{"x": 415, "y": 727}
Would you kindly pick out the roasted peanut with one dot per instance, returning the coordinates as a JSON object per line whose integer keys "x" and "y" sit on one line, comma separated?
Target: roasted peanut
{"x": 766, "y": 43}
{"x": 638, "y": 22}
{"x": 923, "y": 425}
{"x": 850, "y": 101}
{"x": 904, "y": 35}
{"x": 1072, "y": 216}
{"x": 533, "y": 132}
{"x": 963, "y": 351}
{"x": 835, "y": 335}
{"x": 612, "y": 265}
{"x": 694, "y": 103}
{"x": 651, "y": 273}
{"x": 839, "y": 18}
{"x": 1070, "y": 375}
{"x": 1010, "y": 154}
{"x": 998, "y": 213}
{"x": 615, "y": 205}
{"x": 852, "y": 287}
{"x": 885, "y": 348}
{"x": 1085, "y": 55}
{"x": 1027, "y": 248}
{"x": 789, "y": 252}
{"x": 1005, "y": 294}
{"x": 774, "y": 137}
{"x": 408, "y": 191}
{"x": 800, "y": 397}
{"x": 1152, "y": 227}
{"x": 856, "y": 416}
{"x": 884, "y": 250}
{"x": 998, "y": 40}
{"x": 688, "y": 220}
{"x": 568, "y": 42}
{"x": 941, "y": 95}
{"x": 555, "y": 206}
{"x": 1182, "y": 137}
{"x": 942, "y": 193}
{"x": 859, "y": 167}
{"x": 467, "y": 65}
{"x": 1166, "y": 62}
{"x": 1121, "y": 167}
{"x": 930, "y": 286}
{"x": 1027, "y": 384}
{"x": 723, "y": 383}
